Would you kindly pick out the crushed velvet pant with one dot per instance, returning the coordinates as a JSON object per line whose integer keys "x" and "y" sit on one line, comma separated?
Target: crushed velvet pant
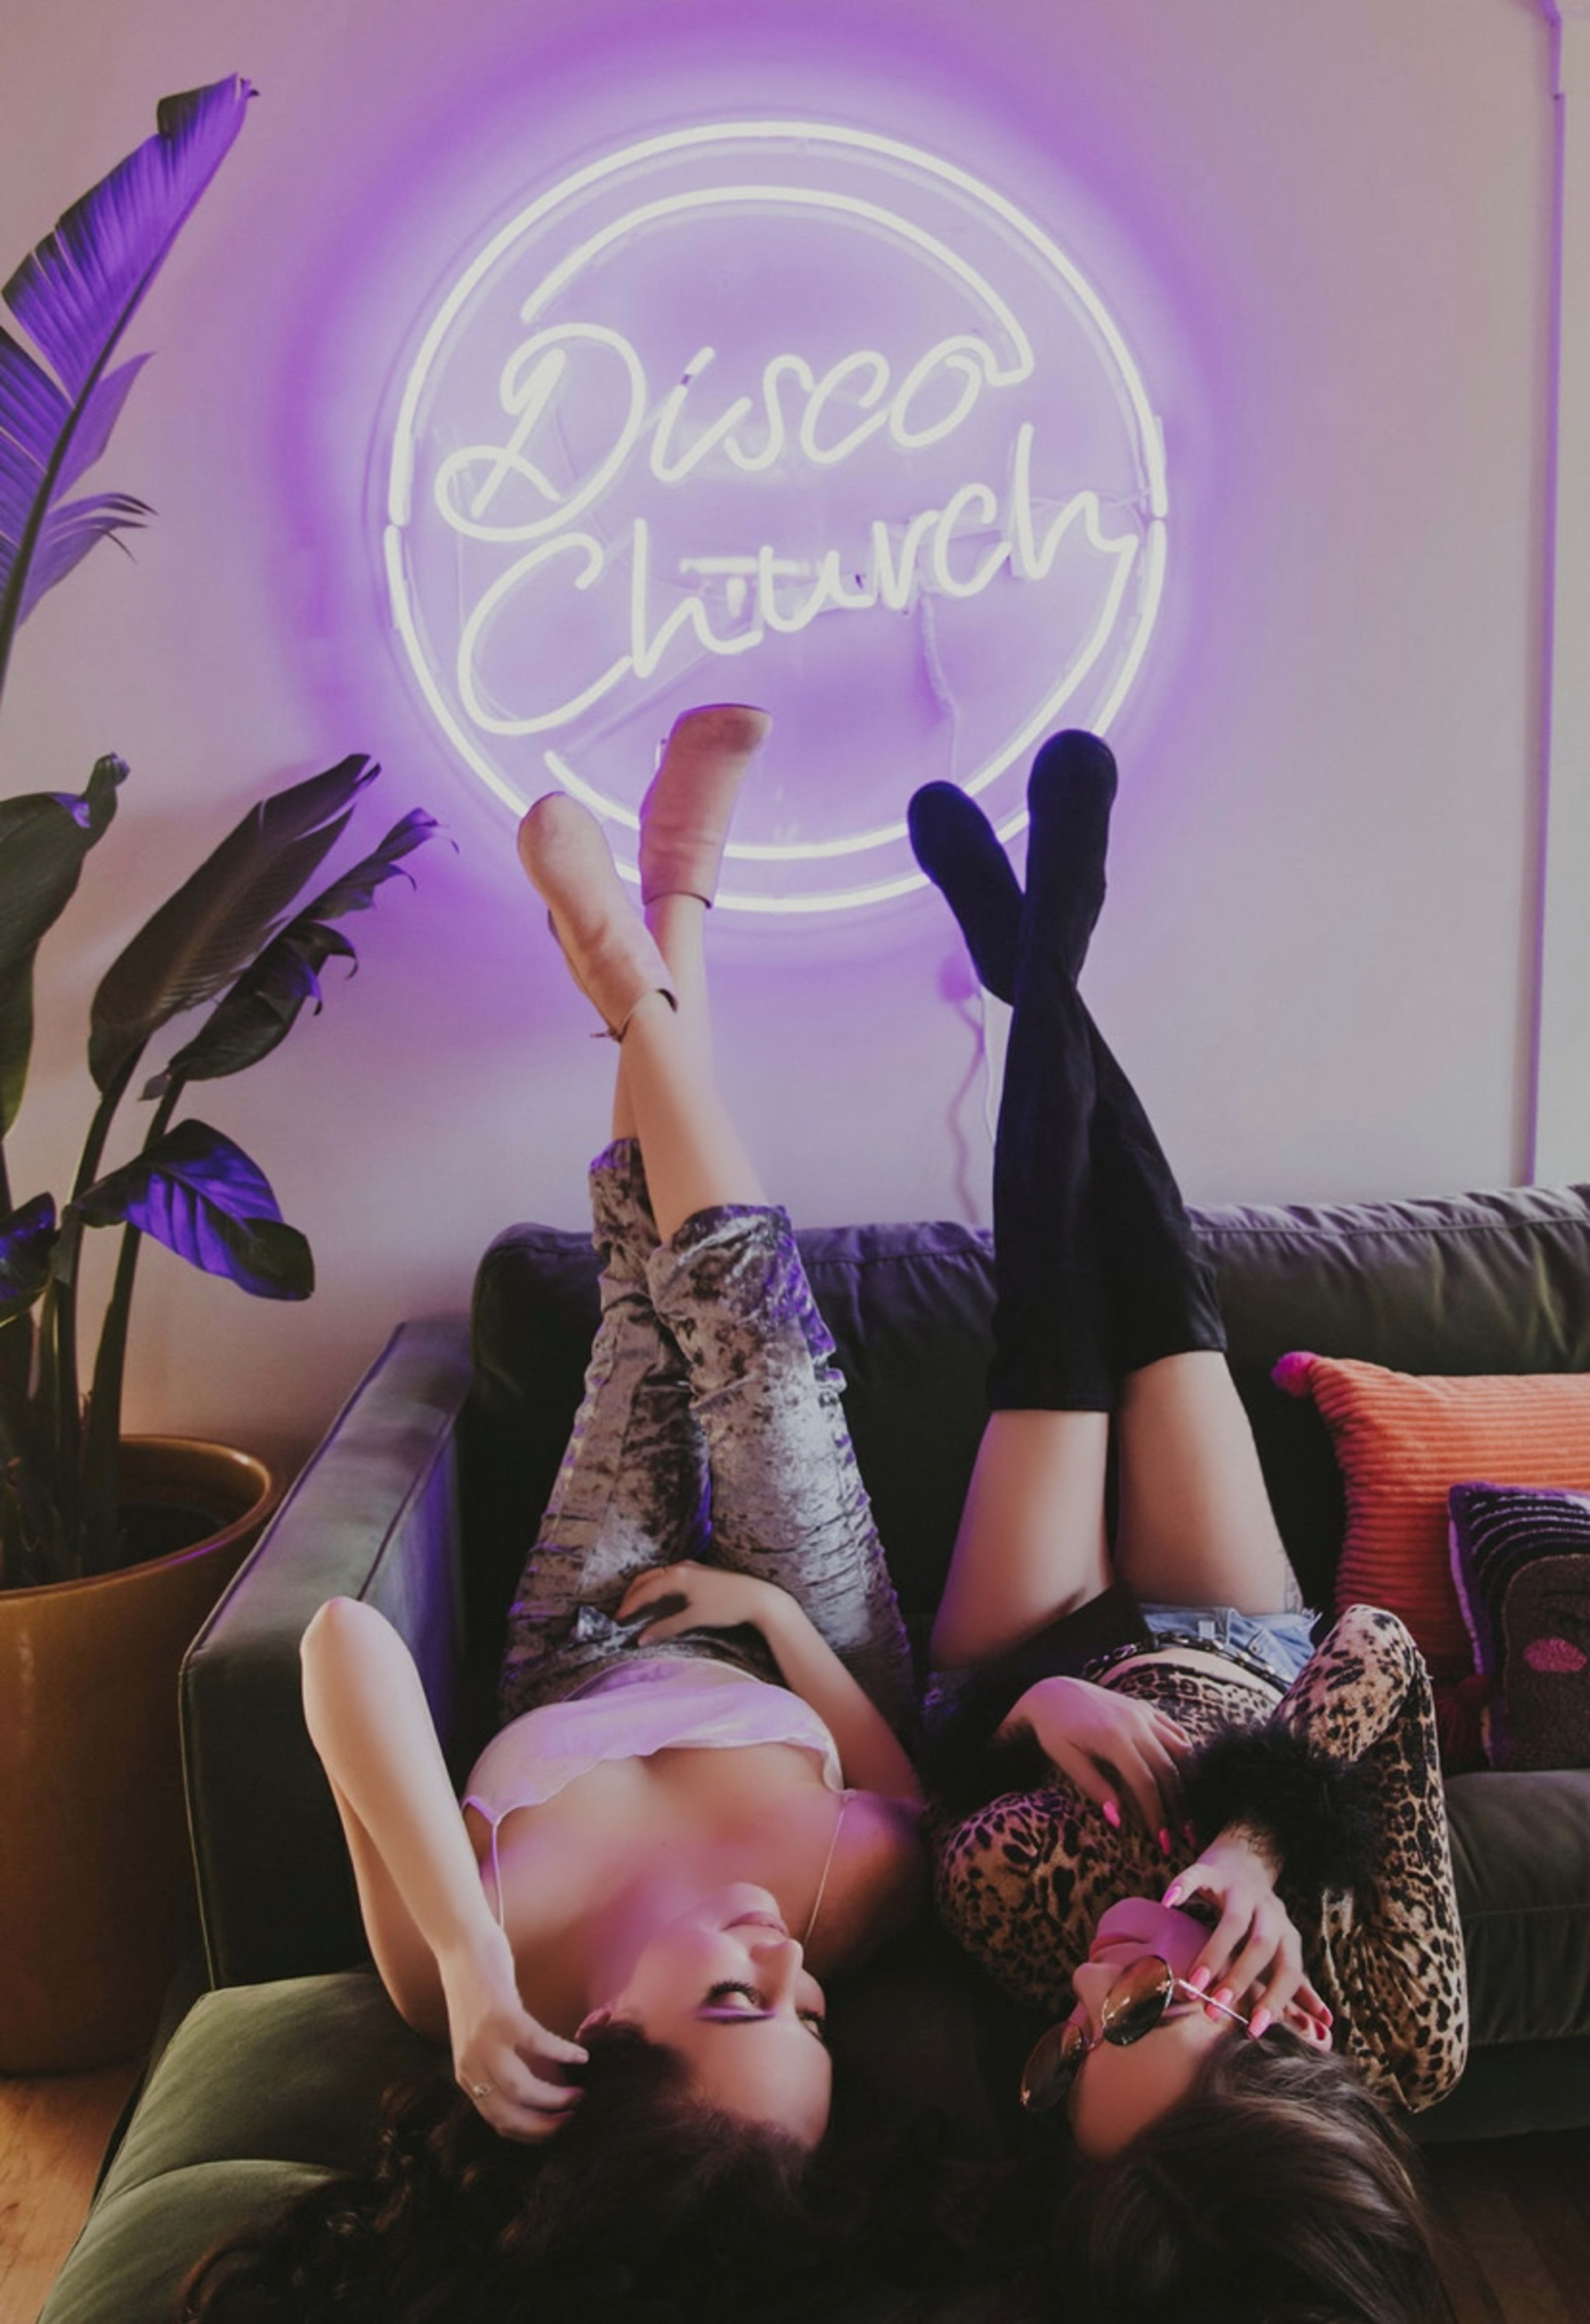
{"x": 711, "y": 1428}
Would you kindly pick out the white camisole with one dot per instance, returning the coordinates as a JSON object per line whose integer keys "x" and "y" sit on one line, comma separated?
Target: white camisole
{"x": 665, "y": 1703}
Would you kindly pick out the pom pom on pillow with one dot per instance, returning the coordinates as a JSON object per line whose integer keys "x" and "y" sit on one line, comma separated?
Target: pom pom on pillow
{"x": 1401, "y": 1442}
{"x": 1521, "y": 1561}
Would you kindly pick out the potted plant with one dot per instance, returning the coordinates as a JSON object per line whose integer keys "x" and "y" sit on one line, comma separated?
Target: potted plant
{"x": 112, "y": 1551}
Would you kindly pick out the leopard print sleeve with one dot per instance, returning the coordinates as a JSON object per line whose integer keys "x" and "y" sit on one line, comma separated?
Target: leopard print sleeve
{"x": 1021, "y": 1882}
{"x": 1388, "y": 1958}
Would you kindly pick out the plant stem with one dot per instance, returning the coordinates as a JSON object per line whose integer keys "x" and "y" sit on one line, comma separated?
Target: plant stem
{"x": 60, "y": 1323}
{"x": 102, "y": 1439}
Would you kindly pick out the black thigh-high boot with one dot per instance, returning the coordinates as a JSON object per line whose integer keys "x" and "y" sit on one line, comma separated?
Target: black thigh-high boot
{"x": 1050, "y": 1347}
{"x": 1162, "y": 1295}
{"x": 1119, "y": 1239}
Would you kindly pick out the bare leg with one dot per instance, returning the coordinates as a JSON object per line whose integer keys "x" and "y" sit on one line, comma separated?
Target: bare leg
{"x": 1030, "y": 1544}
{"x": 696, "y": 1158}
{"x": 1196, "y": 1526}
{"x": 726, "y": 1289}
{"x": 678, "y": 925}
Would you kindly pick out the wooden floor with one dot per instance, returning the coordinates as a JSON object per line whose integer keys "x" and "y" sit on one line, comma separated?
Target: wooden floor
{"x": 1517, "y": 2209}
{"x": 52, "y": 2132}
{"x": 1519, "y": 2213}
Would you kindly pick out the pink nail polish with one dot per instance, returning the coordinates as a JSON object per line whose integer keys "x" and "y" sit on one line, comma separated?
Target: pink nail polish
{"x": 1172, "y": 1894}
{"x": 1199, "y": 1979}
{"x": 1223, "y": 1996}
{"x": 1259, "y": 2023}
{"x": 1112, "y": 1815}
{"x": 1164, "y": 1840}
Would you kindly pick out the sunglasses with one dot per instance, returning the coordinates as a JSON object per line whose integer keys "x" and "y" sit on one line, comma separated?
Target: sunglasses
{"x": 1134, "y": 2005}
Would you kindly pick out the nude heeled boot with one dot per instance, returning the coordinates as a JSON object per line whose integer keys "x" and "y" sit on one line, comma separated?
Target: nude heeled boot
{"x": 607, "y": 946}
{"x": 684, "y": 815}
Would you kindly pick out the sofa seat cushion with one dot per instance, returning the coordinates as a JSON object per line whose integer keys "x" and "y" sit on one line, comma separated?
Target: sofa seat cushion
{"x": 262, "y": 2091}
{"x": 1521, "y": 1857}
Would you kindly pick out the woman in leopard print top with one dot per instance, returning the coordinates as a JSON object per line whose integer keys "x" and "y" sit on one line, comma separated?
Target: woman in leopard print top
{"x": 1023, "y": 1880}
{"x": 1139, "y": 1757}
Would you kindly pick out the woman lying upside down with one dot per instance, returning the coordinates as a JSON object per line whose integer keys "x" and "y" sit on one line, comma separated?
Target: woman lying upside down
{"x": 1218, "y": 1858}
{"x": 697, "y": 1806}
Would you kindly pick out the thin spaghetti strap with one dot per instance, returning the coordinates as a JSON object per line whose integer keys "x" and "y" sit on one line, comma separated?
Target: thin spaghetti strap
{"x": 497, "y": 1873}
{"x": 495, "y": 1824}
{"x": 839, "y": 1822}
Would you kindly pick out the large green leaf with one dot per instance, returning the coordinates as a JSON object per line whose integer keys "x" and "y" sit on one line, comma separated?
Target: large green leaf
{"x": 44, "y": 836}
{"x": 216, "y": 921}
{"x": 262, "y": 1006}
{"x": 199, "y": 1195}
{"x": 75, "y": 296}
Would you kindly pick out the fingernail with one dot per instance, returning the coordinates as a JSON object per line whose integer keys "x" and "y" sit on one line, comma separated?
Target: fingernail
{"x": 1112, "y": 1815}
{"x": 1259, "y": 2023}
{"x": 1172, "y": 1894}
{"x": 1164, "y": 1840}
{"x": 1190, "y": 1835}
{"x": 1327, "y": 2016}
{"x": 1220, "y": 2000}
{"x": 1199, "y": 1979}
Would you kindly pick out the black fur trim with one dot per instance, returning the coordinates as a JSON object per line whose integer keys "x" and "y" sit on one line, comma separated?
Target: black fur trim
{"x": 1317, "y": 1812}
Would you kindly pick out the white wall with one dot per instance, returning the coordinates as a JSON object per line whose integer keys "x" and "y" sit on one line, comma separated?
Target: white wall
{"x": 1328, "y": 228}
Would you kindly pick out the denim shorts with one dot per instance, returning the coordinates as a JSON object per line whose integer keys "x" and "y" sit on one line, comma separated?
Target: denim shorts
{"x": 1282, "y": 1642}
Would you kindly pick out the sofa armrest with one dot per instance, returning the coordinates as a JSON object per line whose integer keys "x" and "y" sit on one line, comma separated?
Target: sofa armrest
{"x": 373, "y": 1516}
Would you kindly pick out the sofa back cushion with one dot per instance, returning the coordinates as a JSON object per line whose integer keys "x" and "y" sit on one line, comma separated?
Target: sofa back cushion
{"x": 1474, "y": 1283}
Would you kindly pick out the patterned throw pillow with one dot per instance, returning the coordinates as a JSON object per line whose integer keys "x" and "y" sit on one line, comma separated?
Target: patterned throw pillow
{"x": 1521, "y": 1561}
{"x": 1401, "y": 1442}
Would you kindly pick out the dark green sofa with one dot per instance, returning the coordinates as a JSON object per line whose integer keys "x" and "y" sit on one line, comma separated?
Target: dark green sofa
{"x": 422, "y": 1500}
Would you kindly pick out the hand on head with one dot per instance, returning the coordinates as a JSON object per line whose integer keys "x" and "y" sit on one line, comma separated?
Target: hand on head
{"x": 504, "y": 2058}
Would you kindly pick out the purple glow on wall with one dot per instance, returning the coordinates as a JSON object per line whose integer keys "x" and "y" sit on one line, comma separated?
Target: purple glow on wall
{"x": 800, "y": 415}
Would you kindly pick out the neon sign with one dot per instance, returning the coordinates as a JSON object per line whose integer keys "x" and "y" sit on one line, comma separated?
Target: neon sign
{"x": 804, "y": 401}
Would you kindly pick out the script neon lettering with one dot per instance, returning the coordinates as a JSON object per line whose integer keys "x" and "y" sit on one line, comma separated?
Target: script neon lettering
{"x": 891, "y": 579}
{"x": 782, "y": 367}
{"x": 969, "y": 496}
{"x": 506, "y": 585}
{"x": 571, "y": 384}
{"x": 865, "y": 359}
{"x": 530, "y": 376}
{"x": 897, "y": 578}
{"x": 672, "y": 472}
{"x": 973, "y": 359}
{"x": 647, "y": 646}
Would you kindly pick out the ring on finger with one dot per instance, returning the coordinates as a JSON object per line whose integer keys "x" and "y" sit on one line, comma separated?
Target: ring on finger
{"x": 482, "y": 2090}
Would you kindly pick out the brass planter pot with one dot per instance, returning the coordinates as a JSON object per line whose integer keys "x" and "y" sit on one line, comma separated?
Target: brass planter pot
{"x": 95, "y": 1870}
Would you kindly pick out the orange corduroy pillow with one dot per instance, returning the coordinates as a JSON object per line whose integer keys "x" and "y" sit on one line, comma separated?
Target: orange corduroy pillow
{"x": 1401, "y": 1443}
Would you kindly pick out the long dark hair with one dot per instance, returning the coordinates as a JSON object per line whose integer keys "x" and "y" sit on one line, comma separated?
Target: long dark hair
{"x": 645, "y": 2204}
{"x": 1279, "y": 2191}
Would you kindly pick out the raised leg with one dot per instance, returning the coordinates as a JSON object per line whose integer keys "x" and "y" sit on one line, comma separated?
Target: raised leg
{"x": 1098, "y": 1274}
{"x": 1195, "y": 1526}
{"x": 787, "y": 1500}
{"x": 632, "y": 1487}
{"x": 1030, "y": 1544}
{"x": 725, "y": 1283}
